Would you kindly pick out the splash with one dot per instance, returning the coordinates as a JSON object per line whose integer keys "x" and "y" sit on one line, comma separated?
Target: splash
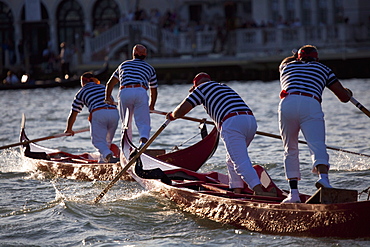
{"x": 36, "y": 175}
{"x": 132, "y": 195}
{"x": 11, "y": 161}
{"x": 85, "y": 192}
{"x": 347, "y": 162}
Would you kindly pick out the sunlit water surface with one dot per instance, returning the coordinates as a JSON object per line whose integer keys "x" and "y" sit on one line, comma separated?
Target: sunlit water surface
{"x": 39, "y": 211}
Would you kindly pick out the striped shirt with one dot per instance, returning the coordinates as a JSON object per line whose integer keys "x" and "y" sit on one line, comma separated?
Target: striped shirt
{"x": 91, "y": 95}
{"x": 218, "y": 100}
{"x": 136, "y": 71}
{"x": 310, "y": 77}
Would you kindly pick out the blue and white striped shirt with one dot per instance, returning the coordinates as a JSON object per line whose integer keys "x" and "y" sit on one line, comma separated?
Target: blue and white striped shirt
{"x": 218, "y": 100}
{"x": 136, "y": 71}
{"x": 310, "y": 77}
{"x": 91, "y": 95}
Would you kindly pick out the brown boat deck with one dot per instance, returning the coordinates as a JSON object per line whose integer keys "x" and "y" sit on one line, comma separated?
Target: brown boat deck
{"x": 219, "y": 189}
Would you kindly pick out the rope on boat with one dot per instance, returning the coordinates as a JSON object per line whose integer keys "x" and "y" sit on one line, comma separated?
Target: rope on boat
{"x": 203, "y": 132}
{"x": 175, "y": 148}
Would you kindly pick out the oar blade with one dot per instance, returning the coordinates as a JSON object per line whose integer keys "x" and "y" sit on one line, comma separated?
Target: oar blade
{"x": 23, "y": 122}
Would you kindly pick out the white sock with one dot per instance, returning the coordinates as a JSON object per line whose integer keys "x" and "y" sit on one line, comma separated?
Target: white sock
{"x": 324, "y": 176}
{"x": 294, "y": 192}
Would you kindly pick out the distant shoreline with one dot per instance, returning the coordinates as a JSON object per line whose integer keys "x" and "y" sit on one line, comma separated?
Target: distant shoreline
{"x": 225, "y": 68}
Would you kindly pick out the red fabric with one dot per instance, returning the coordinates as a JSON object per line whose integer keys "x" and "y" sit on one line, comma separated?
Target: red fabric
{"x": 115, "y": 149}
{"x": 200, "y": 76}
{"x": 232, "y": 114}
{"x": 302, "y": 54}
{"x": 283, "y": 94}
{"x": 133, "y": 86}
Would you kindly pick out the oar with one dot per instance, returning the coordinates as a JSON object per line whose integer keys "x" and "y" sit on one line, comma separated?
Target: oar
{"x": 184, "y": 117}
{"x": 258, "y": 132}
{"x": 303, "y": 142}
{"x": 360, "y": 106}
{"x": 132, "y": 161}
{"x": 43, "y": 138}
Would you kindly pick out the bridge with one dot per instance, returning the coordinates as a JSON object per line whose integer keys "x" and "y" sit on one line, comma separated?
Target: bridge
{"x": 244, "y": 42}
{"x": 247, "y": 54}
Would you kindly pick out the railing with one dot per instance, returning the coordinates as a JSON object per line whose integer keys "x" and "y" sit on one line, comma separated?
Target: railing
{"x": 108, "y": 37}
{"x": 272, "y": 40}
{"x": 170, "y": 42}
{"x": 123, "y": 31}
{"x": 254, "y": 41}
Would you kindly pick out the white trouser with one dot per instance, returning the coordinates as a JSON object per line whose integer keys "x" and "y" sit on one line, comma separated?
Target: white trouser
{"x": 137, "y": 101}
{"x": 237, "y": 133}
{"x": 304, "y": 113}
{"x": 103, "y": 126}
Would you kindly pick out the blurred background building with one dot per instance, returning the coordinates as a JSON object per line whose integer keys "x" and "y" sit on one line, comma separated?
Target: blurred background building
{"x": 236, "y": 32}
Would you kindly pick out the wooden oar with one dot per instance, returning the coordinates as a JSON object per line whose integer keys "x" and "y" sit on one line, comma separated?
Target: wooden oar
{"x": 184, "y": 117}
{"x": 43, "y": 138}
{"x": 360, "y": 106}
{"x": 132, "y": 161}
{"x": 258, "y": 132}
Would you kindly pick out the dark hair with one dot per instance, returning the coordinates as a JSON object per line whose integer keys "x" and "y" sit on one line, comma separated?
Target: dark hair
{"x": 288, "y": 60}
{"x": 139, "y": 57}
{"x": 87, "y": 75}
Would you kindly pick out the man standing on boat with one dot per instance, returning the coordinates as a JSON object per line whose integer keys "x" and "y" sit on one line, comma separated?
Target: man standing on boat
{"x": 103, "y": 117}
{"x": 302, "y": 82}
{"x": 135, "y": 77}
{"x": 235, "y": 122}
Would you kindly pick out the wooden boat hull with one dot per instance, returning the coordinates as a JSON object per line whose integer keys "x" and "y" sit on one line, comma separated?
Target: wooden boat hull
{"x": 70, "y": 166}
{"x": 71, "y": 82}
{"x": 86, "y": 167}
{"x": 76, "y": 171}
{"x": 207, "y": 196}
{"x": 345, "y": 220}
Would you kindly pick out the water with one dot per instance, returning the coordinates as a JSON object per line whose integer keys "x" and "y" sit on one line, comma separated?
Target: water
{"x": 39, "y": 211}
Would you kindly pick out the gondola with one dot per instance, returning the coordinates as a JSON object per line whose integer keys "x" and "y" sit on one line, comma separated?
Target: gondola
{"x": 73, "y": 81}
{"x": 327, "y": 213}
{"x": 57, "y": 163}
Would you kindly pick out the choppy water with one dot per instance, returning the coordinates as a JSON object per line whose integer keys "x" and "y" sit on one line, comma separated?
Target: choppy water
{"x": 39, "y": 211}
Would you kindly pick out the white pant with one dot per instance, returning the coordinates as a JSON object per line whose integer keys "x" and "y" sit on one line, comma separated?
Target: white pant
{"x": 237, "y": 133}
{"x": 137, "y": 101}
{"x": 304, "y": 113}
{"x": 103, "y": 126}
